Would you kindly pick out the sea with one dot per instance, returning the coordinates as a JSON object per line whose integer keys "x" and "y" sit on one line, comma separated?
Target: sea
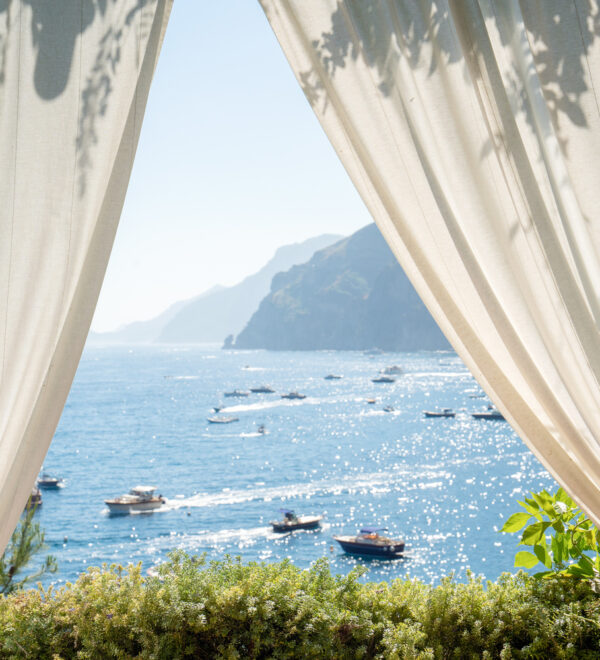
{"x": 137, "y": 415}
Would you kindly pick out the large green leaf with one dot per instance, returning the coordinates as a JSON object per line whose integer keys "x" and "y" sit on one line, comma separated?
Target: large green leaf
{"x": 516, "y": 522}
{"x": 533, "y": 510}
{"x": 525, "y": 559}
{"x": 544, "y": 501}
{"x": 542, "y": 554}
{"x": 534, "y": 533}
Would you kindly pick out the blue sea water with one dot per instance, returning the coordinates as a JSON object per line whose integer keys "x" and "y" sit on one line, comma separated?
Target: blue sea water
{"x": 137, "y": 415}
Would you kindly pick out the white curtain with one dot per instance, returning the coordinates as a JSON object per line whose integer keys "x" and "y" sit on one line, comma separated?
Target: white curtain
{"x": 471, "y": 128}
{"x": 74, "y": 80}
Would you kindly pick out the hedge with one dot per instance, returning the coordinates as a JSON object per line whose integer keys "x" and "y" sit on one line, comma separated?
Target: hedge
{"x": 195, "y": 609}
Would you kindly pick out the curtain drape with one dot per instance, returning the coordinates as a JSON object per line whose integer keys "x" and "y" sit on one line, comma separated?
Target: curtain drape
{"x": 74, "y": 80}
{"x": 471, "y": 128}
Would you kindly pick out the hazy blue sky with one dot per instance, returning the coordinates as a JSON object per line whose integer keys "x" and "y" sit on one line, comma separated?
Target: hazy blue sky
{"x": 232, "y": 163}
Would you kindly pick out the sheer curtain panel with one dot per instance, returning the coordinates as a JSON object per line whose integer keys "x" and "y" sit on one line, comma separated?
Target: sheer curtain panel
{"x": 471, "y": 128}
{"x": 74, "y": 80}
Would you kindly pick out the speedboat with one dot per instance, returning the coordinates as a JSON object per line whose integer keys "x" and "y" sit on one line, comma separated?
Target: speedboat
{"x": 293, "y": 395}
{"x": 490, "y": 413}
{"x": 445, "y": 412}
{"x": 237, "y": 393}
{"x": 291, "y": 522}
{"x": 222, "y": 420}
{"x": 333, "y": 377}
{"x": 383, "y": 379}
{"x": 263, "y": 389}
{"x": 138, "y": 499}
{"x": 47, "y": 481}
{"x": 389, "y": 409}
{"x": 369, "y": 542}
{"x": 261, "y": 429}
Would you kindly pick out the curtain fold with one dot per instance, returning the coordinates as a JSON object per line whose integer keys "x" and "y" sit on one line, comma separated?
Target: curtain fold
{"x": 74, "y": 81}
{"x": 471, "y": 129}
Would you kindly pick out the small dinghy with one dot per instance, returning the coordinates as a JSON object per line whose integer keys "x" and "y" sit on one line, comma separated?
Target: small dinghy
{"x": 222, "y": 420}
{"x": 292, "y": 522}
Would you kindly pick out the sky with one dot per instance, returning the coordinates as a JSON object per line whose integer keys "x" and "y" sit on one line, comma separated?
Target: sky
{"x": 232, "y": 163}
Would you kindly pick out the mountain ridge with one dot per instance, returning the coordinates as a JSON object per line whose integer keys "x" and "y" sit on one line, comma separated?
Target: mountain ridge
{"x": 352, "y": 295}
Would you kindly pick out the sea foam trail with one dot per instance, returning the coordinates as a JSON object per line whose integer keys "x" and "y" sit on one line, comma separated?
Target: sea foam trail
{"x": 379, "y": 481}
{"x": 265, "y": 405}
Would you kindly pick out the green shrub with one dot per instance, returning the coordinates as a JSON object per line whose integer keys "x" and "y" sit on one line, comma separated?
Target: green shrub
{"x": 195, "y": 609}
{"x": 562, "y": 538}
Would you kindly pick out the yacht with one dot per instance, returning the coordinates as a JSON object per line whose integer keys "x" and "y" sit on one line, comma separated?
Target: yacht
{"x": 490, "y": 413}
{"x": 444, "y": 412}
{"x": 291, "y": 522}
{"x": 138, "y": 499}
{"x": 236, "y": 393}
{"x": 47, "y": 481}
{"x": 293, "y": 395}
{"x": 383, "y": 379}
{"x": 369, "y": 542}
{"x": 394, "y": 369}
{"x": 35, "y": 498}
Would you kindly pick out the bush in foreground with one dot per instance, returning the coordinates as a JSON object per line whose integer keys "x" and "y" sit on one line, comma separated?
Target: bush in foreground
{"x": 229, "y": 610}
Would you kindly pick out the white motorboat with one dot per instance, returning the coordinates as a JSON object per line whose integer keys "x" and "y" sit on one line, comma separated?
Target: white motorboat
{"x": 140, "y": 499}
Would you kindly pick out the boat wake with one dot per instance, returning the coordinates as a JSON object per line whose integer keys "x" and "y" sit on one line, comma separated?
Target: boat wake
{"x": 379, "y": 482}
{"x": 265, "y": 405}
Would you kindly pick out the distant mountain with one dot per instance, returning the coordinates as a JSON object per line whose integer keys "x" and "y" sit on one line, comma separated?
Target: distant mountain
{"x": 220, "y": 311}
{"x": 352, "y": 295}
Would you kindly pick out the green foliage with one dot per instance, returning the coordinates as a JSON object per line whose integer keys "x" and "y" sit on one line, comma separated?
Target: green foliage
{"x": 195, "y": 609}
{"x": 26, "y": 541}
{"x": 562, "y": 538}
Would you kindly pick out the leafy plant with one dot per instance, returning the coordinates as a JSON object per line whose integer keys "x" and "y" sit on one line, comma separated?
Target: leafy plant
{"x": 26, "y": 541}
{"x": 562, "y": 538}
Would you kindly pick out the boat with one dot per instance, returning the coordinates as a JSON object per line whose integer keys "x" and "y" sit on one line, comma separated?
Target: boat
{"x": 262, "y": 389}
{"x": 383, "y": 379}
{"x": 490, "y": 413}
{"x": 217, "y": 408}
{"x": 394, "y": 369}
{"x": 371, "y": 401}
{"x": 261, "y": 429}
{"x": 369, "y": 542}
{"x": 444, "y": 412}
{"x": 239, "y": 393}
{"x": 139, "y": 499}
{"x": 333, "y": 377}
{"x": 35, "y": 498}
{"x": 293, "y": 395}
{"x": 292, "y": 522}
{"x": 389, "y": 409}
{"x": 48, "y": 482}
{"x": 222, "y": 420}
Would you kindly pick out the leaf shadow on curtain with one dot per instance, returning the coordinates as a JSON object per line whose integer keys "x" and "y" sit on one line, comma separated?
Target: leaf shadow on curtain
{"x": 55, "y": 28}
{"x": 415, "y": 24}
